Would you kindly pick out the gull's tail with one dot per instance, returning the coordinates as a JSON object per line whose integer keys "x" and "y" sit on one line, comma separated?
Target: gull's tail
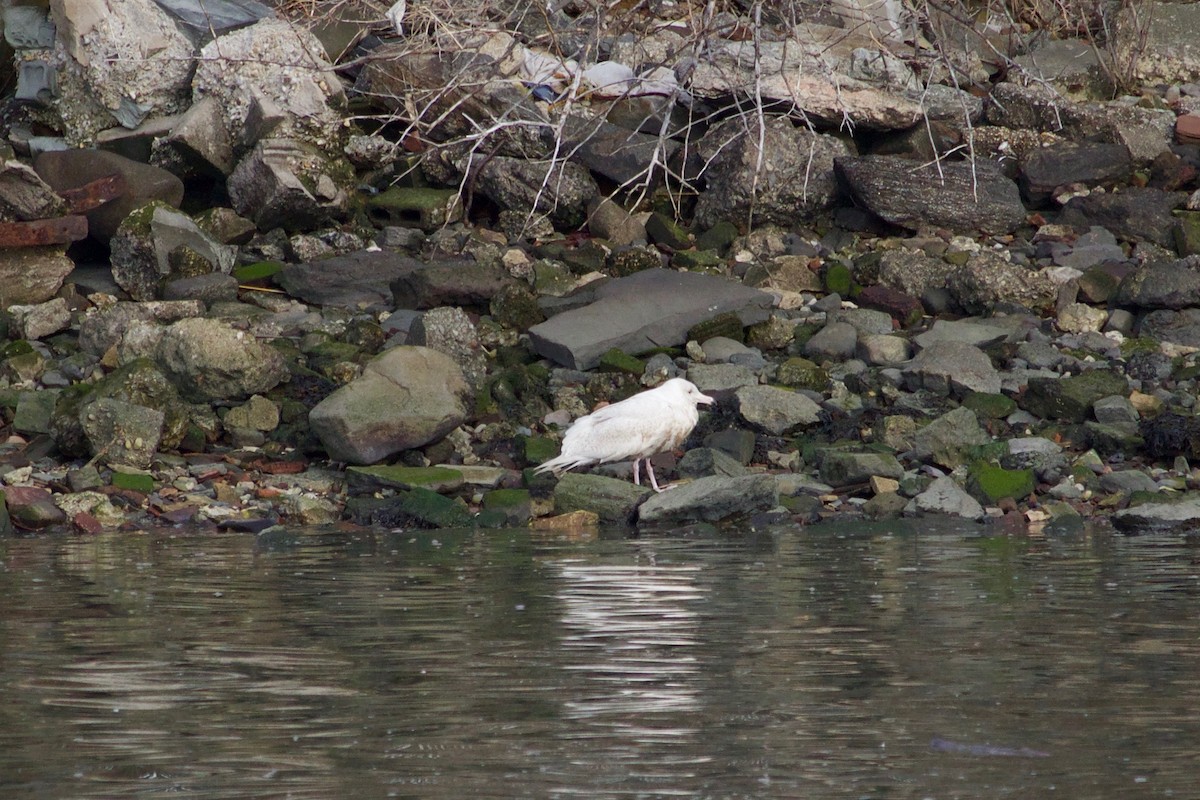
{"x": 560, "y": 464}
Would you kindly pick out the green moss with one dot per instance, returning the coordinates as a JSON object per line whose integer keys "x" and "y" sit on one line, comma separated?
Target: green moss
{"x": 438, "y": 479}
{"x": 617, "y": 361}
{"x": 133, "y": 481}
{"x": 538, "y": 449}
{"x": 259, "y": 270}
{"x": 993, "y": 484}
{"x": 990, "y": 406}
{"x": 839, "y": 279}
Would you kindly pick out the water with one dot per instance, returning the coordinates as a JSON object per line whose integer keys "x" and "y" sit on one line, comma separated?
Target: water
{"x": 886, "y": 661}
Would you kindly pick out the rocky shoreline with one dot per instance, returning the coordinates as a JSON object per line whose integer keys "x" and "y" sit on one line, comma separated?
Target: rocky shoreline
{"x": 265, "y": 289}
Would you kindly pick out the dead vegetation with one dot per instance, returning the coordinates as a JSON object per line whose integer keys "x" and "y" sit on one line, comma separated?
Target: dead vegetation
{"x": 467, "y": 90}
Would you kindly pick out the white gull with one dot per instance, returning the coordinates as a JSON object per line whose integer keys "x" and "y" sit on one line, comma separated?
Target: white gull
{"x": 652, "y": 422}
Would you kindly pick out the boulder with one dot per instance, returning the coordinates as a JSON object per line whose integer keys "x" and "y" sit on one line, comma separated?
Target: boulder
{"x": 950, "y": 366}
{"x": 141, "y": 183}
{"x": 123, "y": 61}
{"x": 740, "y": 187}
{"x": 106, "y": 327}
{"x": 405, "y": 398}
{"x": 290, "y": 184}
{"x": 961, "y": 196}
{"x": 449, "y": 330}
{"x": 272, "y": 80}
{"x": 988, "y": 280}
{"x": 211, "y": 360}
{"x": 801, "y": 73}
{"x": 156, "y": 244}
{"x": 1179, "y": 516}
{"x": 712, "y": 499}
{"x": 777, "y": 411}
{"x": 198, "y": 144}
{"x": 613, "y": 500}
{"x": 848, "y": 469}
{"x": 948, "y": 441}
{"x": 946, "y": 497}
{"x": 30, "y": 275}
{"x": 361, "y": 279}
{"x": 650, "y": 309}
{"x": 562, "y": 191}
{"x": 39, "y": 320}
{"x": 450, "y": 283}
{"x": 1047, "y": 169}
{"x": 121, "y": 433}
{"x": 1162, "y": 284}
{"x": 1071, "y": 398}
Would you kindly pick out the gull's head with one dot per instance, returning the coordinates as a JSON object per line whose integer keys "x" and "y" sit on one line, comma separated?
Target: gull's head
{"x": 689, "y": 390}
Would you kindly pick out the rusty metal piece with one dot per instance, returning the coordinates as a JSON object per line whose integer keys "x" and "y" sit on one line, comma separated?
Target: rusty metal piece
{"x": 83, "y": 199}
{"x": 38, "y": 232}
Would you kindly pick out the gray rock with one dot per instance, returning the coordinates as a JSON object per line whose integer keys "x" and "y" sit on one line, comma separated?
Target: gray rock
{"x": 25, "y": 196}
{"x": 721, "y": 350}
{"x": 944, "y": 496}
{"x": 987, "y": 280}
{"x": 712, "y": 499}
{"x": 31, "y": 275}
{"x": 1127, "y": 481}
{"x": 40, "y": 320}
{"x": 957, "y": 195}
{"x": 142, "y": 183}
{"x": 528, "y": 186}
{"x": 1097, "y": 246}
{"x": 121, "y": 433}
{"x": 913, "y": 272}
{"x": 1162, "y": 284}
{"x": 210, "y": 360}
{"x": 613, "y": 500}
{"x": 608, "y": 220}
{"x": 1178, "y": 327}
{"x": 1182, "y": 515}
{"x": 208, "y": 17}
{"x": 155, "y": 243}
{"x": 198, "y": 145}
{"x": 883, "y": 350}
{"x": 864, "y": 320}
{"x": 708, "y": 461}
{"x": 405, "y": 398}
{"x": 846, "y": 469}
{"x": 949, "y": 366}
{"x": 1134, "y": 213}
{"x": 271, "y": 79}
{"x": 104, "y": 329}
{"x": 34, "y": 410}
{"x": 1115, "y": 411}
{"x": 947, "y": 440}
{"x": 213, "y": 287}
{"x": 449, "y": 283}
{"x": 289, "y": 184}
{"x": 356, "y": 280}
{"x": 449, "y": 330}
{"x": 777, "y": 411}
{"x": 28, "y": 28}
{"x": 256, "y": 414}
{"x": 626, "y": 157}
{"x": 800, "y": 180}
{"x": 721, "y": 377}
{"x": 1070, "y": 65}
{"x": 810, "y": 74}
{"x": 650, "y": 309}
{"x": 973, "y": 332}
{"x": 1046, "y": 169}
{"x": 127, "y": 61}
{"x": 836, "y": 341}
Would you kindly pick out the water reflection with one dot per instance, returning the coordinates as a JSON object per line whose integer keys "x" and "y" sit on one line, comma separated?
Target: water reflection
{"x": 857, "y": 662}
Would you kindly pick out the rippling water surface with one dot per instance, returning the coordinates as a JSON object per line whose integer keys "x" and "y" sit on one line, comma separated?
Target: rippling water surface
{"x": 890, "y": 661}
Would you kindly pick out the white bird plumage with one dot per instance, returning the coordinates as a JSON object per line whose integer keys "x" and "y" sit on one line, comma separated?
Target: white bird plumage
{"x": 644, "y": 425}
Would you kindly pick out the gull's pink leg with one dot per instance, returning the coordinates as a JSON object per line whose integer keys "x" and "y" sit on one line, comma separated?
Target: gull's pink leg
{"x": 636, "y": 476}
{"x": 650, "y": 472}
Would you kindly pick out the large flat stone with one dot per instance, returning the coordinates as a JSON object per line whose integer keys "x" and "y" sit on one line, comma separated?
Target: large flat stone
{"x": 652, "y": 308}
{"x": 361, "y": 279}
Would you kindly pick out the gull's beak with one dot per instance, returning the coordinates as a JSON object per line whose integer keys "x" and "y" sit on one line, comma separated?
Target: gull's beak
{"x": 704, "y": 400}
